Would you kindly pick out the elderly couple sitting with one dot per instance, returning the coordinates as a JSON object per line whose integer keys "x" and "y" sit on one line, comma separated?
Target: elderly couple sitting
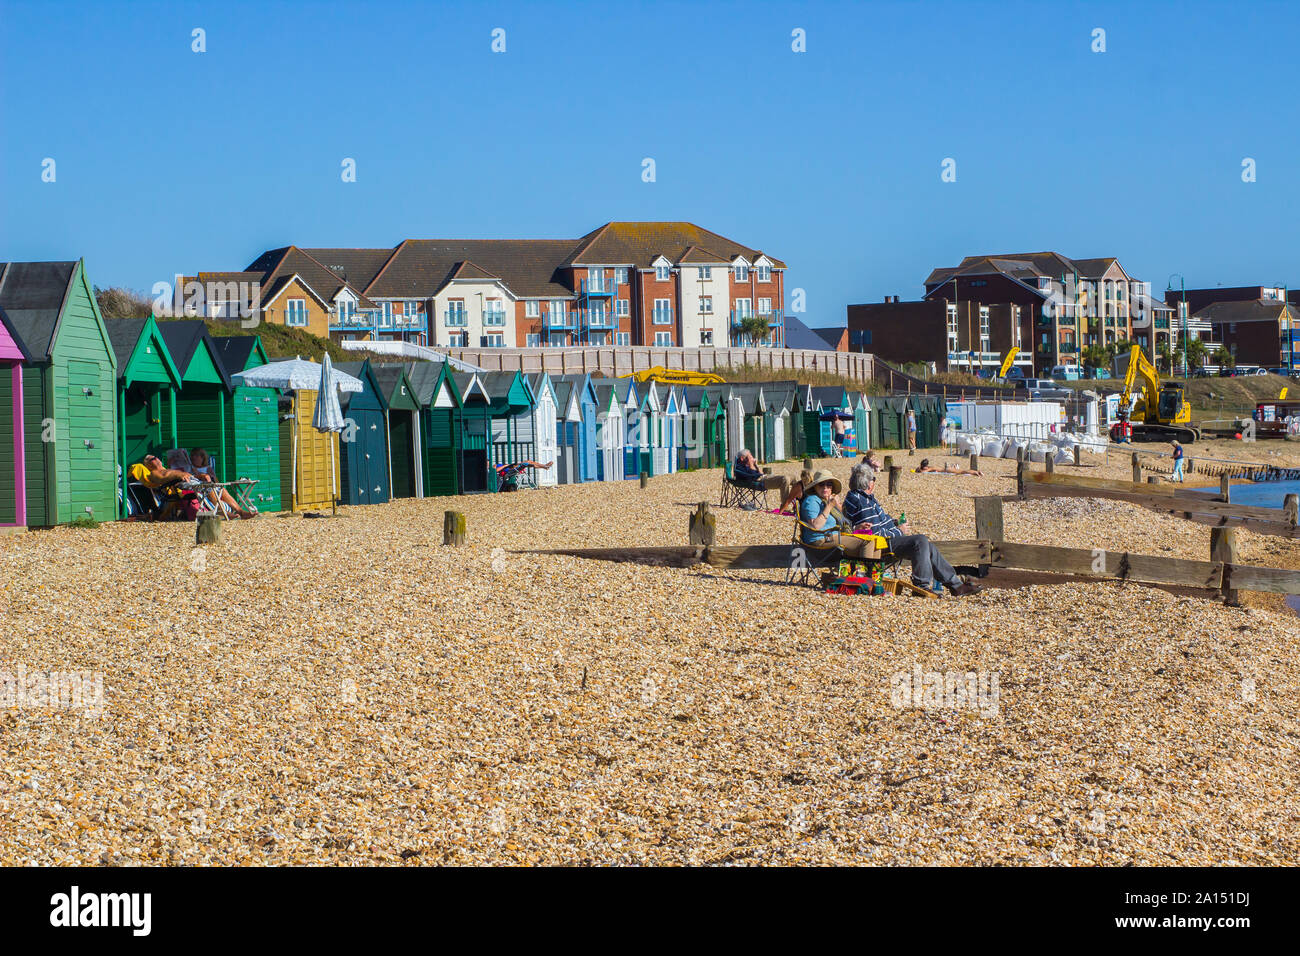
{"x": 830, "y": 518}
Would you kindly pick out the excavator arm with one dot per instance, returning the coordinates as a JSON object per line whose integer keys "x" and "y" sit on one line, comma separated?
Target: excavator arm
{"x": 1142, "y": 372}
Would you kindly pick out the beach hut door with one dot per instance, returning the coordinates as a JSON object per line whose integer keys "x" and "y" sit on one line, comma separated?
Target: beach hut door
{"x": 546, "y": 443}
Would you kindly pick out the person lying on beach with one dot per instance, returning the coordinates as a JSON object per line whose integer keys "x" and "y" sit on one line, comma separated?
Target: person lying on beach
{"x": 744, "y": 471}
{"x": 508, "y": 474}
{"x": 200, "y": 465}
{"x": 924, "y": 468}
{"x": 178, "y": 502}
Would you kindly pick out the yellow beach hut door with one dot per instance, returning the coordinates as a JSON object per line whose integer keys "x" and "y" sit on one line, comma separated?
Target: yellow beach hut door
{"x": 317, "y": 458}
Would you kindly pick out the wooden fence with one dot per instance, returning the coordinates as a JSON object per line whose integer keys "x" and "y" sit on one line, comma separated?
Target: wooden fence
{"x": 628, "y": 359}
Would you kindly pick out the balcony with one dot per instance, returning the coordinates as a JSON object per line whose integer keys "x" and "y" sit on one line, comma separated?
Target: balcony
{"x": 494, "y": 319}
{"x": 356, "y": 321}
{"x": 458, "y": 318}
{"x": 602, "y": 288}
{"x": 596, "y": 320}
{"x": 774, "y": 318}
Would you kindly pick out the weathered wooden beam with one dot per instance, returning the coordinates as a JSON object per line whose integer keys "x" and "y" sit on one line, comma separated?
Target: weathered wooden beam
{"x": 1101, "y": 484}
{"x": 671, "y": 557}
{"x": 1099, "y": 562}
{"x": 1223, "y": 547}
{"x": 702, "y": 526}
{"x": 966, "y": 554}
{"x": 988, "y": 518}
{"x": 1157, "y": 498}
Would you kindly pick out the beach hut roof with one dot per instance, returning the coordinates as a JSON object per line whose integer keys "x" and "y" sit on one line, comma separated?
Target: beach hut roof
{"x": 396, "y": 386}
{"x": 7, "y": 335}
{"x": 506, "y": 389}
{"x": 468, "y": 385}
{"x": 364, "y": 373}
{"x": 132, "y": 340}
{"x": 185, "y": 338}
{"x": 33, "y": 295}
{"x": 831, "y": 396}
{"x": 239, "y": 352}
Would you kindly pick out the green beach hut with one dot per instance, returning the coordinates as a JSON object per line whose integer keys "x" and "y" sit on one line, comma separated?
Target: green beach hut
{"x": 438, "y": 395}
{"x": 147, "y": 383}
{"x": 252, "y": 448}
{"x": 363, "y": 467}
{"x": 69, "y": 383}
{"x": 205, "y": 388}
{"x": 404, "y": 441}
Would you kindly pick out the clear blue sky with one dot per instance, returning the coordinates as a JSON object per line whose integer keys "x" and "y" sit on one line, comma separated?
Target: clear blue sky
{"x": 171, "y": 161}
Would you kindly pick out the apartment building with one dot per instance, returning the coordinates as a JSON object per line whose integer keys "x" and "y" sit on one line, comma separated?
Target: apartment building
{"x": 625, "y": 283}
{"x": 955, "y": 336}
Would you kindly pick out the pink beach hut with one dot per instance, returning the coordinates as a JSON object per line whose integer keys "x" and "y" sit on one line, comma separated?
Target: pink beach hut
{"x": 13, "y": 461}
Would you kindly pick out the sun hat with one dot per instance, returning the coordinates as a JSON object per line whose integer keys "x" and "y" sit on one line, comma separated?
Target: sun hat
{"x": 822, "y": 476}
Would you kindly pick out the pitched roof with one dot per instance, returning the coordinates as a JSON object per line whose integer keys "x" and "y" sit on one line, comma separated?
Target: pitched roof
{"x": 358, "y": 267}
{"x": 640, "y": 243}
{"x": 799, "y": 336}
{"x": 184, "y": 337}
{"x": 234, "y": 350}
{"x": 124, "y": 334}
{"x": 1024, "y": 265}
{"x": 527, "y": 267}
{"x": 424, "y": 377}
{"x": 278, "y": 265}
{"x": 32, "y": 295}
{"x": 1250, "y": 310}
{"x": 389, "y": 375}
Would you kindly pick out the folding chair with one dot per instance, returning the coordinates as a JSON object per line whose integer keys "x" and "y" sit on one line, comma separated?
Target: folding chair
{"x": 736, "y": 494}
{"x": 808, "y": 561}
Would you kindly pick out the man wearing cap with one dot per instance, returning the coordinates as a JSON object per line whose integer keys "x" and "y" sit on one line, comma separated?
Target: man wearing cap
{"x": 927, "y": 563}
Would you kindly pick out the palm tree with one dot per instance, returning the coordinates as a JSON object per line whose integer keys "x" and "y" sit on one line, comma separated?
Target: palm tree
{"x": 1195, "y": 352}
{"x": 1223, "y": 358}
{"x": 753, "y": 327}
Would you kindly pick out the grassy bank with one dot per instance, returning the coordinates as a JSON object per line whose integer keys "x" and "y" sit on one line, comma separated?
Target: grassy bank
{"x": 1212, "y": 398}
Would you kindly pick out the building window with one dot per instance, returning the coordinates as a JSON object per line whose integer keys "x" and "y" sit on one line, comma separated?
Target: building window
{"x": 492, "y": 341}
{"x": 623, "y": 338}
{"x": 706, "y": 336}
{"x": 532, "y": 309}
{"x": 533, "y": 340}
{"x": 458, "y": 340}
{"x": 764, "y": 273}
{"x": 706, "y": 305}
{"x": 742, "y": 273}
{"x": 556, "y": 340}
{"x": 663, "y": 339}
{"x": 597, "y": 314}
{"x": 743, "y": 308}
{"x": 295, "y": 312}
{"x": 622, "y": 308}
{"x": 705, "y": 272}
{"x": 595, "y": 280}
{"x": 952, "y": 327}
{"x": 386, "y": 314}
{"x": 764, "y": 306}
{"x": 598, "y": 338}
{"x": 663, "y": 272}
{"x": 620, "y": 275}
{"x": 663, "y": 312}
{"x": 494, "y": 312}
{"x": 456, "y": 312}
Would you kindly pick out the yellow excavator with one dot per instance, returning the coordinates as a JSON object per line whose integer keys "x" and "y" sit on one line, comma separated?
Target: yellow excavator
{"x": 677, "y": 376}
{"x": 1161, "y": 413}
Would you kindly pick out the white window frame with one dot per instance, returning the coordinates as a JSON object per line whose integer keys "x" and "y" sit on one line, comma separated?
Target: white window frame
{"x": 386, "y": 314}
{"x": 597, "y": 314}
{"x": 456, "y": 307}
{"x": 663, "y": 340}
{"x": 493, "y": 308}
{"x": 595, "y": 279}
{"x": 622, "y": 338}
{"x": 706, "y": 305}
{"x": 764, "y": 273}
{"x": 620, "y": 275}
{"x": 599, "y": 337}
{"x": 622, "y": 308}
{"x": 291, "y": 311}
{"x": 533, "y": 340}
{"x": 742, "y": 311}
{"x": 663, "y": 273}
{"x": 706, "y": 272}
{"x": 663, "y": 316}
{"x": 764, "y": 307}
{"x": 532, "y": 309}
{"x": 741, "y": 272}
{"x": 706, "y": 337}
{"x": 492, "y": 340}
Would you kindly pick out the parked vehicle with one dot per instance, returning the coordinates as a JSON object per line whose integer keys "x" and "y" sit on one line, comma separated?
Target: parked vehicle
{"x": 1015, "y": 374}
{"x": 1068, "y": 373}
{"x": 1045, "y": 388}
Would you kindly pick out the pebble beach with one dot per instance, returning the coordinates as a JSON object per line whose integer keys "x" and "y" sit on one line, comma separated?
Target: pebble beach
{"x": 348, "y": 691}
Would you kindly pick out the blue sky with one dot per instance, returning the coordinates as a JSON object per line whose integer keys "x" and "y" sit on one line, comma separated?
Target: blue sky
{"x": 171, "y": 161}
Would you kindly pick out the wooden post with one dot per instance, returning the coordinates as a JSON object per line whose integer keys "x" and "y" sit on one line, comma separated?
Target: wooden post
{"x": 1137, "y": 470}
{"x": 1223, "y": 547}
{"x": 974, "y": 461}
{"x": 1049, "y": 462}
{"x": 1020, "y": 476}
{"x": 1223, "y": 487}
{"x": 453, "y": 528}
{"x": 887, "y": 464}
{"x": 988, "y": 518}
{"x": 1020, "y": 453}
{"x": 207, "y": 529}
{"x": 645, "y": 479}
{"x": 1291, "y": 509}
{"x": 703, "y": 525}
{"x": 807, "y": 464}
{"x": 1078, "y": 455}
{"x": 895, "y": 477}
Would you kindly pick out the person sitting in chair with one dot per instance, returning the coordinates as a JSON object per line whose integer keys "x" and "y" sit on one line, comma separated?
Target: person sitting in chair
{"x": 200, "y": 464}
{"x": 927, "y": 563}
{"x": 745, "y": 472}
{"x": 178, "y": 502}
{"x": 508, "y": 474}
{"x": 820, "y": 518}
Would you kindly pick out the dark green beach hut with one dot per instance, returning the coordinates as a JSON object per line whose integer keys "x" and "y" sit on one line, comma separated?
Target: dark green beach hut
{"x": 438, "y": 395}
{"x": 69, "y": 383}
{"x": 404, "y": 444}
{"x": 363, "y": 467}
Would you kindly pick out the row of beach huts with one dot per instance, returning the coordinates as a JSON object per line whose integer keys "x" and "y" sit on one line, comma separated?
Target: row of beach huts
{"x": 83, "y": 398}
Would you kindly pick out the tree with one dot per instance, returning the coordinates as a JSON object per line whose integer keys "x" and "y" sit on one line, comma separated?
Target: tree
{"x": 1195, "y": 352}
{"x": 1097, "y": 356}
{"x": 754, "y": 328}
{"x": 1223, "y": 358}
{"x": 1164, "y": 357}
{"x": 120, "y": 303}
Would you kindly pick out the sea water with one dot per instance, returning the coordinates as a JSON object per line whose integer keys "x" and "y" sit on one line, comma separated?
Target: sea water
{"x": 1263, "y": 494}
